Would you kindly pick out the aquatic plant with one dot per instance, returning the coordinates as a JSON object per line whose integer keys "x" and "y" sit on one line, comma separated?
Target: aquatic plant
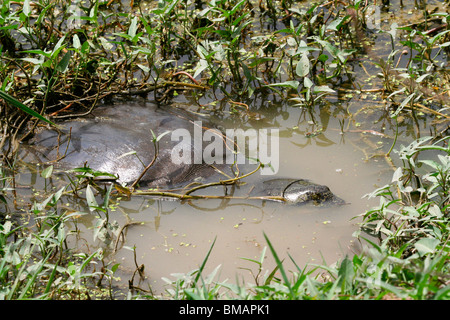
{"x": 36, "y": 262}
{"x": 100, "y": 50}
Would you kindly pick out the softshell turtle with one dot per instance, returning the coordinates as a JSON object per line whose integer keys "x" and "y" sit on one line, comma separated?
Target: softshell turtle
{"x": 297, "y": 191}
{"x": 118, "y": 139}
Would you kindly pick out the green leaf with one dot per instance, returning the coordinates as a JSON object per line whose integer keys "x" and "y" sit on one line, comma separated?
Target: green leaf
{"x": 236, "y": 7}
{"x": 442, "y": 293}
{"x": 393, "y": 31}
{"x": 420, "y": 79}
{"x": 32, "y": 280}
{"x": 26, "y": 8}
{"x": 169, "y": 9}
{"x": 426, "y": 245}
{"x": 335, "y": 52}
{"x": 329, "y": 47}
{"x": 279, "y": 265}
{"x": 397, "y": 175}
{"x": 346, "y": 273}
{"x": 114, "y": 267}
{"x": 88, "y": 260}
{"x": 307, "y": 82}
{"x": 58, "y": 47}
{"x": 403, "y": 104}
{"x": 51, "y": 279}
{"x": 289, "y": 84}
{"x": 201, "y": 65}
{"x": 323, "y": 58}
{"x": 200, "y": 270}
{"x": 382, "y": 284}
{"x": 133, "y": 27}
{"x": 107, "y": 196}
{"x": 162, "y": 135}
{"x": 47, "y": 172}
{"x": 247, "y": 72}
{"x": 23, "y": 107}
{"x": 431, "y": 163}
{"x": 337, "y": 24}
{"x": 105, "y": 44}
{"x": 127, "y": 154}
{"x": 62, "y": 65}
{"x": 88, "y": 172}
{"x": 33, "y": 60}
{"x": 76, "y": 42}
{"x": 90, "y": 198}
{"x": 38, "y": 51}
{"x": 303, "y": 66}
{"x": 323, "y": 89}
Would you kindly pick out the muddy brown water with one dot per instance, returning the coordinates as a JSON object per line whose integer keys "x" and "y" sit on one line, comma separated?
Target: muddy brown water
{"x": 339, "y": 144}
{"x": 176, "y": 238}
{"x": 173, "y": 237}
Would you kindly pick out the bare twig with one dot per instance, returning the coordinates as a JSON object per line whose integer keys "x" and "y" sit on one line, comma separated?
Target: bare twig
{"x": 155, "y": 144}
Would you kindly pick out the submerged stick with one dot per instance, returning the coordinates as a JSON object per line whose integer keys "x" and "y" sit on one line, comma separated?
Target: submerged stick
{"x": 222, "y": 182}
{"x": 190, "y": 197}
{"x": 147, "y": 167}
{"x": 187, "y": 195}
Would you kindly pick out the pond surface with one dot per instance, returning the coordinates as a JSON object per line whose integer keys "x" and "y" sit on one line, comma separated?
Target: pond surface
{"x": 174, "y": 237}
{"x": 339, "y": 143}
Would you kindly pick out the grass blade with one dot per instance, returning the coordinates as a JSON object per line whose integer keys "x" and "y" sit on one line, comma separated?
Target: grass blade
{"x": 280, "y": 266}
{"x": 200, "y": 270}
{"x": 23, "y": 107}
